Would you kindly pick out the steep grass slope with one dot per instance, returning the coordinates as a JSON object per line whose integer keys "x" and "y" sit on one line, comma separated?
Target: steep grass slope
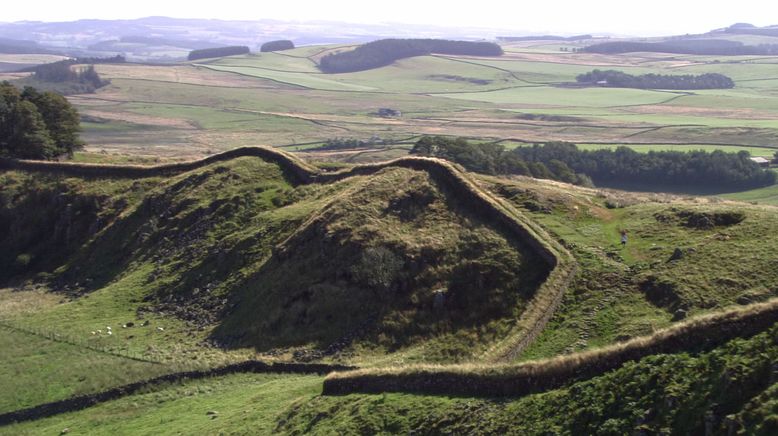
{"x": 225, "y": 250}
{"x": 238, "y": 252}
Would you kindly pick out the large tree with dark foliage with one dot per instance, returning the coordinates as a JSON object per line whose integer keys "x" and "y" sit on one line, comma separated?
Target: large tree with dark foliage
{"x": 385, "y": 51}
{"x": 279, "y": 45}
{"x": 36, "y": 125}
{"x": 619, "y": 79}
{"x": 715, "y": 171}
{"x": 218, "y": 52}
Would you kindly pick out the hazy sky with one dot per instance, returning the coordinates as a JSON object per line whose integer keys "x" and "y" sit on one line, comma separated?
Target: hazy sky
{"x": 615, "y": 16}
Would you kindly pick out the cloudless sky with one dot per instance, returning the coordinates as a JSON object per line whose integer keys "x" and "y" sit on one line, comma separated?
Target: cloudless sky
{"x": 656, "y": 17}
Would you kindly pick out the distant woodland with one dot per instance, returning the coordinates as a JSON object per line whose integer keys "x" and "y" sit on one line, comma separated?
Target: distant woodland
{"x": 218, "y": 52}
{"x": 36, "y": 125}
{"x": 619, "y": 79}
{"x": 279, "y": 45}
{"x": 385, "y": 51}
{"x": 562, "y": 161}
{"x": 66, "y": 78}
{"x": 19, "y": 46}
{"x": 685, "y": 46}
{"x": 543, "y": 38}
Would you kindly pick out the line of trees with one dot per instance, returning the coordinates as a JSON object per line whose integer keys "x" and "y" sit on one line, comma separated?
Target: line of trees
{"x": 385, "y": 51}
{"x": 37, "y": 125}
{"x": 543, "y": 38}
{"x": 63, "y": 71}
{"x": 623, "y": 166}
{"x": 619, "y": 79}
{"x": 279, "y": 45}
{"x": 685, "y": 46}
{"x": 349, "y": 143}
{"x": 218, "y": 52}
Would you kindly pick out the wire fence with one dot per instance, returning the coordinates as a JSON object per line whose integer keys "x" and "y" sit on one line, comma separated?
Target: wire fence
{"x": 113, "y": 350}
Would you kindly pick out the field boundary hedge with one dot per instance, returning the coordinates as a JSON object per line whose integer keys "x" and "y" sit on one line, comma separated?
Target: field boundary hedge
{"x": 83, "y": 401}
{"x": 698, "y": 334}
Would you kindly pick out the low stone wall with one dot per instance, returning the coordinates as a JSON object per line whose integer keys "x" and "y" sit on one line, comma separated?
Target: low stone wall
{"x": 84, "y": 401}
{"x": 291, "y": 165}
{"x": 700, "y": 334}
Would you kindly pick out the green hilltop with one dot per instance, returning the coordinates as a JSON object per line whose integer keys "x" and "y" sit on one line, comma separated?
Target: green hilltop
{"x": 192, "y": 266}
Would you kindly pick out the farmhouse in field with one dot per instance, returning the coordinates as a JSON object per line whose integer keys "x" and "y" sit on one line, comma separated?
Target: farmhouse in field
{"x": 761, "y": 161}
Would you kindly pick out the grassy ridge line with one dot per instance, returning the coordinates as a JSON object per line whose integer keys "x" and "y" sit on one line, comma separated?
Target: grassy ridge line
{"x": 697, "y": 334}
{"x": 541, "y": 307}
{"x": 299, "y": 170}
{"x": 547, "y": 298}
{"x": 83, "y": 401}
{"x": 563, "y": 265}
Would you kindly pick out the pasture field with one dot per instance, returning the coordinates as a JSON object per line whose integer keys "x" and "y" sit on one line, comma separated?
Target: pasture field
{"x": 194, "y": 270}
{"x": 238, "y": 404}
{"x": 281, "y": 99}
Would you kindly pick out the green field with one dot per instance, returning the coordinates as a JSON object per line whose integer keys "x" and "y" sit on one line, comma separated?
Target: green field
{"x": 243, "y": 259}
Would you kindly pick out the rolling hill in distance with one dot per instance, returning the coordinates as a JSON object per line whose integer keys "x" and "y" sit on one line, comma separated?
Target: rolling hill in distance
{"x": 391, "y": 230}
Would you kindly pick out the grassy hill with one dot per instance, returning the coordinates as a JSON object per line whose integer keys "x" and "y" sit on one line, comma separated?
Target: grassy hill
{"x": 192, "y": 266}
{"x": 236, "y": 258}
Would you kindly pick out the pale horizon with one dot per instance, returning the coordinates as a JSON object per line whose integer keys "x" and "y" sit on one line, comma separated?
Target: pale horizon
{"x": 661, "y": 17}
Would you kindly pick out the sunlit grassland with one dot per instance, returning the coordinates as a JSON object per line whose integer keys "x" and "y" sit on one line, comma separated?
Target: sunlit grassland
{"x": 281, "y": 98}
{"x": 269, "y": 61}
{"x": 571, "y": 97}
{"x": 36, "y": 370}
{"x": 242, "y": 404}
{"x": 608, "y": 302}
